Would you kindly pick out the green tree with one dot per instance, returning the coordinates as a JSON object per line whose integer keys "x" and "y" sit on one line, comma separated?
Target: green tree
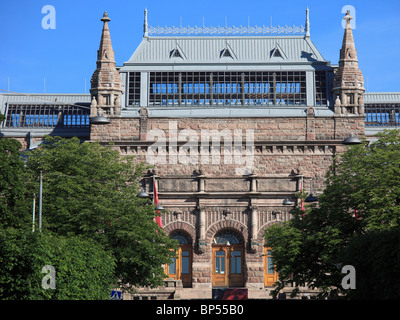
{"x": 11, "y": 184}
{"x": 361, "y": 195}
{"x": 83, "y": 270}
{"x": 90, "y": 191}
{"x": 375, "y": 256}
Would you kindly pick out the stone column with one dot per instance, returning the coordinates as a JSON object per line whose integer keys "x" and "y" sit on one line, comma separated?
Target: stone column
{"x": 253, "y": 228}
{"x": 202, "y": 229}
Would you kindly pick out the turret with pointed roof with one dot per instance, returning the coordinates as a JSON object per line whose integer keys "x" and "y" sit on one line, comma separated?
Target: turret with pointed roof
{"x": 348, "y": 87}
{"x": 106, "y": 82}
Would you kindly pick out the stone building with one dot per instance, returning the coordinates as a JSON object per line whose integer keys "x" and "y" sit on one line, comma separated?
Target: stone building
{"x": 234, "y": 125}
{"x": 236, "y": 121}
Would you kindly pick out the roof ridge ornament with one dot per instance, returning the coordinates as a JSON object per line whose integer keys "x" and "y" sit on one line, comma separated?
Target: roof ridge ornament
{"x": 218, "y": 31}
{"x": 307, "y": 29}
{"x": 145, "y": 25}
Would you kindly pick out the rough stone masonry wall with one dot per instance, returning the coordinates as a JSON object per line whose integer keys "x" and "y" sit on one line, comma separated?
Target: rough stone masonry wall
{"x": 284, "y": 149}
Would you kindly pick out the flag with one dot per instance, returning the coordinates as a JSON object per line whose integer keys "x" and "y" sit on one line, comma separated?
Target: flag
{"x": 301, "y": 190}
{"x": 155, "y": 200}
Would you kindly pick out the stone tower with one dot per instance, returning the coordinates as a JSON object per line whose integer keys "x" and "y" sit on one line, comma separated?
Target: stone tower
{"x": 106, "y": 82}
{"x": 348, "y": 86}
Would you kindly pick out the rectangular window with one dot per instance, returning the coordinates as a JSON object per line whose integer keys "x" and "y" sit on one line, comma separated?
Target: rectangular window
{"x": 220, "y": 262}
{"x": 46, "y": 116}
{"x": 236, "y": 261}
{"x": 262, "y": 88}
{"x": 172, "y": 266}
{"x": 320, "y": 88}
{"x": 134, "y": 89}
{"x": 185, "y": 262}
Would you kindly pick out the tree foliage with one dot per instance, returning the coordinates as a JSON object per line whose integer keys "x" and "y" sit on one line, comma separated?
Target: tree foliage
{"x": 362, "y": 195}
{"x": 83, "y": 269}
{"x": 89, "y": 194}
{"x": 11, "y": 184}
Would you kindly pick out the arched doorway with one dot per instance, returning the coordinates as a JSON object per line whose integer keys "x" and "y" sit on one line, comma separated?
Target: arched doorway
{"x": 227, "y": 259}
{"x": 180, "y": 267}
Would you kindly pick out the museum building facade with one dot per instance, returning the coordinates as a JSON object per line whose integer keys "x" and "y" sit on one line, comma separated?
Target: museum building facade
{"x": 235, "y": 121}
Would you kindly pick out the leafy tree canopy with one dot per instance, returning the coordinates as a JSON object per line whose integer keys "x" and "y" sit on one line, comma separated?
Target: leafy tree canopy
{"x": 362, "y": 195}
{"x": 89, "y": 194}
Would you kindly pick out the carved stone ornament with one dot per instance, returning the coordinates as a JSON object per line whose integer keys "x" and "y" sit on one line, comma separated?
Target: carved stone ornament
{"x": 201, "y": 245}
{"x": 253, "y": 246}
{"x": 144, "y": 112}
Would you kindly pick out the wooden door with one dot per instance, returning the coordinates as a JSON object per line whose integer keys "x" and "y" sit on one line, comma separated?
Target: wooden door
{"x": 270, "y": 275}
{"x": 180, "y": 267}
{"x": 227, "y": 266}
{"x": 236, "y": 266}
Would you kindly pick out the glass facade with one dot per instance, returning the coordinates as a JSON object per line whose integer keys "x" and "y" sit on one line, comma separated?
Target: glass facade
{"x": 233, "y": 88}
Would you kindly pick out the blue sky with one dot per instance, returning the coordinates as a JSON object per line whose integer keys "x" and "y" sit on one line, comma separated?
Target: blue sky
{"x": 66, "y": 56}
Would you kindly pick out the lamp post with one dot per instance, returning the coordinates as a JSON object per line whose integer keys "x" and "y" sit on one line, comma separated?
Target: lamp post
{"x": 40, "y": 200}
{"x": 287, "y": 202}
{"x": 99, "y": 119}
{"x": 351, "y": 140}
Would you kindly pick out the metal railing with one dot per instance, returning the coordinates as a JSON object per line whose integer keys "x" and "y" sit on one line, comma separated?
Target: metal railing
{"x": 46, "y": 116}
{"x": 382, "y": 115}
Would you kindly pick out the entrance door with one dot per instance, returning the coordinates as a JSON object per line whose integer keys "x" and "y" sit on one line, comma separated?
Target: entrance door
{"x": 227, "y": 266}
{"x": 227, "y": 260}
{"x": 270, "y": 275}
{"x": 180, "y": 267}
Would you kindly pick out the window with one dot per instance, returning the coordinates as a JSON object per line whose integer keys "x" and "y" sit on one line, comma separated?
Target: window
{"x": 176, "y": 54}
{"x": 226, "y": 53}
{"x": 228, "y": 236}
{"x": 277, "y": 53}
{"x": 134, "y": 89}
{"x": 46, "y": 116}
{"x": 236, "y": 264}
{"x": 242, "y": 88}
{"x": 320, "y": 88}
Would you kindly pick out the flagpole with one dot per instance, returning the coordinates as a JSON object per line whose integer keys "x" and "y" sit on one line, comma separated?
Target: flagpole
{"x": 40, "y": 200}
{"x": 33, "y": 213}
{"x": 302, "y": 201}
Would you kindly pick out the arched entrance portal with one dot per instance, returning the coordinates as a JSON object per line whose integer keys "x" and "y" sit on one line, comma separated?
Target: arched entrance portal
{"x": 227, "y": 259}
{"x": 180, "y": 267}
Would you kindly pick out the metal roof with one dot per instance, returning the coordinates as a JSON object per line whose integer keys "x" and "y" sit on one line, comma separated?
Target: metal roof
{"x": 43, "y": 98}
{"x": 208, "y": 50}
{"x": 382, "y": 97}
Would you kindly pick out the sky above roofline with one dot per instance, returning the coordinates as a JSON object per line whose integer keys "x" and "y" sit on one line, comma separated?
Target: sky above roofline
{"x": 61, "y": 60}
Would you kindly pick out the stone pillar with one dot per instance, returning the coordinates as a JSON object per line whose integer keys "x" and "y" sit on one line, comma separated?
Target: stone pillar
{"x": 253, "y": 227}
{"x": 202, "y": 229}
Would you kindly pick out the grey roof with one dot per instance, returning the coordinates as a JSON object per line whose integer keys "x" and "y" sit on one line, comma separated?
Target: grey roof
{"x": 207, "y": 50}
{"x": 382, "y": 97}
{"x": 42, "y": 98}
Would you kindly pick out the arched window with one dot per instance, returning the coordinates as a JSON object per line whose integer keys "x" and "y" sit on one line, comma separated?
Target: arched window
{"x": 228, "y": 237}
{"x": 182, "y": 237}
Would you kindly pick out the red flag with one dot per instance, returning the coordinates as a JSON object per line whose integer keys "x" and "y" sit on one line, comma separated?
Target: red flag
{"x": 155, "y": 200}
{"x": 302, "y": 200}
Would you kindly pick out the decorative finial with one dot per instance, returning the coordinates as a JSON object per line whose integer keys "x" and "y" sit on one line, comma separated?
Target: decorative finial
{"x": 307, "y": 23}
{"x": 145, "y": 26}
{"x": 348, "y": 19}
{"x": 105, "y": 17}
